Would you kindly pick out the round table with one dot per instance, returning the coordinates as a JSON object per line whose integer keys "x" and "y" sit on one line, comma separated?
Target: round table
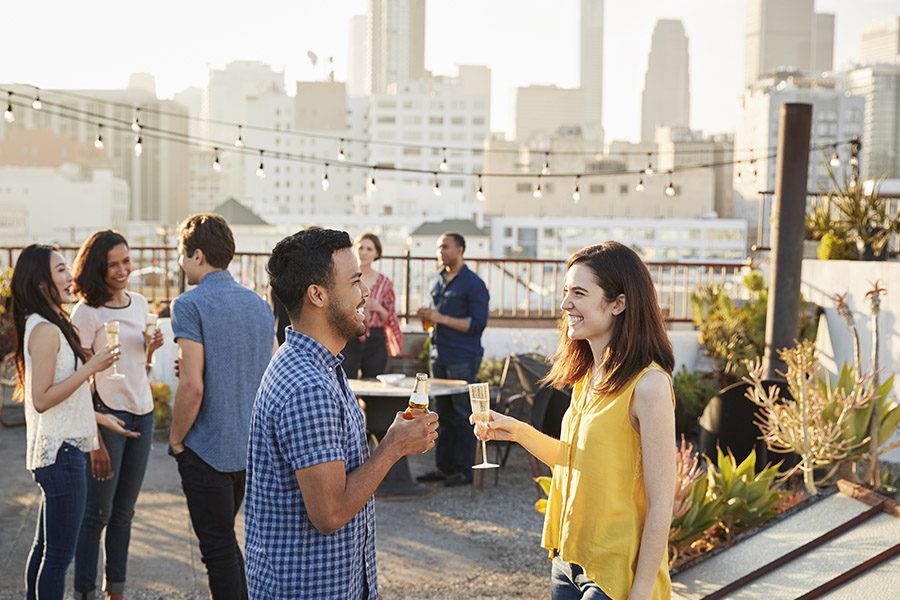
{"x": 382, "y": 403}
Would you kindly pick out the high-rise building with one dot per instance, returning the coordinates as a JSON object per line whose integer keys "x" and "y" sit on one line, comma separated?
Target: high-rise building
{"x": 836, "y": 117}
{"x": 881, "y": 41}
{"x": 396, "y": 43}
{"x": 542, "y": 110}
{"x": 357, "y": 55}
{"x": 666, "y": 99}
{"x": 158, "y": 178}
{"x": 878, "y": 86}
{"x": 786, "y": 34}
{"x": 592, "y": 69}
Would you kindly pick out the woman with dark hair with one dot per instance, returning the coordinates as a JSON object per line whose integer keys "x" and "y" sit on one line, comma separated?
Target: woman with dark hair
{"x": 383, "y": 336}
{"x": 52, "y": 380}
{"x": 101, "y": 272}
{"x": 610, "y": 503}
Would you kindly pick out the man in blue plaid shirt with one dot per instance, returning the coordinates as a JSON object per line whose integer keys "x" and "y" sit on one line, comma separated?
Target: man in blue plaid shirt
{"x": 310, "y": 512}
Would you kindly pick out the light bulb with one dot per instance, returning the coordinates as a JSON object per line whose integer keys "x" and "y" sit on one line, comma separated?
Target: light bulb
{"x": 217, "y": 166}
{"x": 8, "y": 115}
{"x": 739, "y": 178}
{"x": 325, "y": 182}
{"x": 576, "y": 195}
{"x": 854, "y": 161}
{"x": 260, "y": 170}
{"x": 670, "y": 189}
{"x": 755, "y": 171}
{"x": 538, "y": 193}
{"x": 98, "y": 143}
{"x": 340, "y": 155}
{"x": 444, "y": 166}
{"x": 37, "y": 104}
{"x": 136, "y": 124}
{"x": 835, "y": 160}
{"x": 239, "y": 141}
{"x": 640, "y": 185}
{"x": 479, "y": 193}
{"x": 545, "y": 170}
{"x": 372, "y": 185}
{"x": 649, "y": 169}
{"x": 436, "y": 188}
{"x": 138, "y": 147}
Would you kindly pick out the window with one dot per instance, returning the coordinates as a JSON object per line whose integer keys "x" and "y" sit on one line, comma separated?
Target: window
{"x": 523, "y": 187}
{"x": 435, "y": 120}
{"x": 477, "y": 120}
{"x": 623, "y": 189}
{"x": 386, "y": 119}
{"x": 458, "y": 121}
{"x": 597, "y": 188}
{"x": 407, "y": 151}
{"x": 507, "y": 232}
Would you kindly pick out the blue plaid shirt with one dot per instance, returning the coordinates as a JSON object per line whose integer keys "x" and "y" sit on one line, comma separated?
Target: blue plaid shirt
{"x": 305, "y": 415}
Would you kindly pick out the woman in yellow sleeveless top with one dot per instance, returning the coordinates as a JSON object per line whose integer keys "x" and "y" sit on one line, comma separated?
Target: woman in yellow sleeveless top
{"x": 610, "y": 504}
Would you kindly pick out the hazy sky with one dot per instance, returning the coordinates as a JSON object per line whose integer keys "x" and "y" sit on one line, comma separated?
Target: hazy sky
{"x": 96, "y": 44}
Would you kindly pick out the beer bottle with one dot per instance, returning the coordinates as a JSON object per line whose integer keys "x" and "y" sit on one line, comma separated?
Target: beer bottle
{"x": 418, "y": 400}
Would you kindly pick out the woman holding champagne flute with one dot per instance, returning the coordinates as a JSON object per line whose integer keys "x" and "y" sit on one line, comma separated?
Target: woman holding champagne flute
{"x": 108, "y": 313}
{"x": 610, "y": 503}
{"x": 52, "y": 373}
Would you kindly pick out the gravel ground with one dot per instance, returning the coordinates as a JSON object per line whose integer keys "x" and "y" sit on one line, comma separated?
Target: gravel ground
{"x": 452, "y": 543}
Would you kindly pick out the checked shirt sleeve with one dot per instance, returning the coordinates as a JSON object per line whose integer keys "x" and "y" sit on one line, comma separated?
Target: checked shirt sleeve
{"x": 309, "y": 429}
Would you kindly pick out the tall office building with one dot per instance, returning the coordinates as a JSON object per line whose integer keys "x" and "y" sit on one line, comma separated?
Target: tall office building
{"x": 592, "y": 69}
{"x": 881, "y": 41}
{"x": 878, "y": 85}
{"x": 542, "y": 110}
{"x": 396, "y": 43}
{"x": 786, "y": 34}
{"x": 357, "y": 55}
{"x": 667, "y": 98}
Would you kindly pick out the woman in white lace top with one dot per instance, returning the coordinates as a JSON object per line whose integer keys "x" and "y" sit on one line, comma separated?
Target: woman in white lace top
{"x": 60, "y": 421}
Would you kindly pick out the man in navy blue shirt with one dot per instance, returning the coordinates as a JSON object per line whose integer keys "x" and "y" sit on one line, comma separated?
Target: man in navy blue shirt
{"x": 459, "y": 313}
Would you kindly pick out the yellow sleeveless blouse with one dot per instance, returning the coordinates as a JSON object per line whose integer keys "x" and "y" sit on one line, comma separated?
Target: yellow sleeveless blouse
{"x": 597, "y": 504}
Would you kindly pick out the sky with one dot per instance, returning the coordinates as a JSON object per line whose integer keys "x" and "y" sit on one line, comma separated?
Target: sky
{"x": 97, "y": 44}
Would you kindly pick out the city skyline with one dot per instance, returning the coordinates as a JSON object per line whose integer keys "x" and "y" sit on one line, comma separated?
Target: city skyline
{"x": 508, "y": 49}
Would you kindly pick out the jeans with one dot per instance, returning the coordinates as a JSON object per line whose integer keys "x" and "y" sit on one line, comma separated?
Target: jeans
{"x": 62, "y": 506}
{"x": 214, "y": 499}
{"x": 110, "y": 504}
{"x": 455, "y": 448}
{"x": 370, "y": 355}
{"x": 568, "y": 582}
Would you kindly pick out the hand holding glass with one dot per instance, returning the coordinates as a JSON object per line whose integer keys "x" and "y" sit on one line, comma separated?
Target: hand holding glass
{"x": 479, "y": 396}
{"x": 112, "y": 339}
{"x": 150, "y": 328}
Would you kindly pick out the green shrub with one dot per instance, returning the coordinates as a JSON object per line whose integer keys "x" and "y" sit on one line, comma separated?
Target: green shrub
{"x": 693, "y": 392}
{"x": 835, "y": 247}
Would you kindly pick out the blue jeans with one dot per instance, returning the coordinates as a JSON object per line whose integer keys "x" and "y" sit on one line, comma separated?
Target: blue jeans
{"x": 568, "y": 582}
{"x": 110, "y": 505}
{"x": 455, "y": 448}
{"x": 62, "y": 506}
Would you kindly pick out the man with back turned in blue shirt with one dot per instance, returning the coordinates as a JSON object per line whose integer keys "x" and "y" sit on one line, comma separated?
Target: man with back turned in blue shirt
{"x": 459, "y": 314}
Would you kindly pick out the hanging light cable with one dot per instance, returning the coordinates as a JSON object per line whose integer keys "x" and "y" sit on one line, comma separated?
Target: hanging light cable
{"x": 325, "y": 182}
{"x": 479, "y": 191}
{"x": 8, "y": 115}
{"x": 260, "y": 169}
{"x": 436, "y": 188}
{"x": 576, "y": 193}
{"x": 216, "y": 165}
{"x": 136, "y": 125}
{"x": 98, "y": 143}
{"x": 239, "y": 140}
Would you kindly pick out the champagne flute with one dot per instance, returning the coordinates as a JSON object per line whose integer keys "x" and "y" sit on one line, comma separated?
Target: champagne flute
{"x": 150, "y": 327}
{"x": 112, "y": 339}
{"x": 479, "y": 396}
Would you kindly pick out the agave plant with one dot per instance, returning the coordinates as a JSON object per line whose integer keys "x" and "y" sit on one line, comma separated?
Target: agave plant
{"x": 749, "y": 498}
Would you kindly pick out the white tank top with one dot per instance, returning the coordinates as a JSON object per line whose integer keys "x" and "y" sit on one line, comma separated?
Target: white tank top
{"x": 72, "y": 420}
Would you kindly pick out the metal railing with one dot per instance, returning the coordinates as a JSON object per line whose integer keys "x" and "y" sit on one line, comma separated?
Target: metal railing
{"x": 522, "y": 290}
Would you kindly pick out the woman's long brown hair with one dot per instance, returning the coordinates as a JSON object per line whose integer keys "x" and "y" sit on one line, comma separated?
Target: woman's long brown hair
{"x": 639, "y": 333}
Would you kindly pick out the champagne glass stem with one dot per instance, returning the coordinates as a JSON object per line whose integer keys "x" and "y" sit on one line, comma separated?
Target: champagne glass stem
{"x": 484, "y": 459}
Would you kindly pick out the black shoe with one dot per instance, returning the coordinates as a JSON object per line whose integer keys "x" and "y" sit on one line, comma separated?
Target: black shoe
{"x": 457, "y": 479}
{"x": 431, "y": 477}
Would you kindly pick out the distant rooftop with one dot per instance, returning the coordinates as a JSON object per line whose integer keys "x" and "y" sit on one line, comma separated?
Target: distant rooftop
{"x": 238, "y": 214}
{"x": 461, "y": 226}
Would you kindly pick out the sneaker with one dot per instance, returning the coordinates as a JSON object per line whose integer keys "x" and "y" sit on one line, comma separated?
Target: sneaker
{"x": 431, "y": 477}
{"x": 457, "y": 479}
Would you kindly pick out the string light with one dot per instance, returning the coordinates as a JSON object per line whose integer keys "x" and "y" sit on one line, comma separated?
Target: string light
{"x": 739, "y": 178}
{"x": 479, "y": 192}
{"x": 325, "y": 182}
{"x": 340, "y": 155}
{"x": 260, "y": 170}
{"x": 545, "y": 170}
{"x": 436, "y": 188}
{"x": 835, "y": 161}
{"x": 649, "y": 170}
{"x": 754, "y": 170}
{"x": 538, "y": 193}
{"x": 8, "y": 115}
{"x": 239, "y": 140}
{"x": 372, "y": 185}
{"x": 98, "y": 143}
{"x": 444, "y": 166}
{"x": 37, "y": 104}
{"x": 670, "y": 189}
{"x": 576, "y": 193}
{"x": 136, "y": 123}
{"x": 139, "y": 147}
{"x": 217, "y": 166}
{"x": 640, "y": 185}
